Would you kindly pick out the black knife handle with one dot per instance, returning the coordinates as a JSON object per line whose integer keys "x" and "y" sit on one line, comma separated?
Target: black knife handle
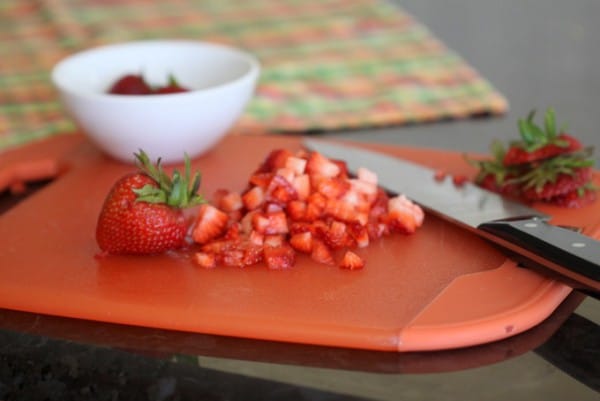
{"x": 560, "y": 246}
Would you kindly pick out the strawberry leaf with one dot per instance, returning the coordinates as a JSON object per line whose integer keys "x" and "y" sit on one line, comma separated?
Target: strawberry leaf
{"x": 174, "y": 191}
{"x": 550, "y": 123}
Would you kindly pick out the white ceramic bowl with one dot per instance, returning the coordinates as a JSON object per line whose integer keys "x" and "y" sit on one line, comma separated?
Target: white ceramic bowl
{"x": 222, "y": 81}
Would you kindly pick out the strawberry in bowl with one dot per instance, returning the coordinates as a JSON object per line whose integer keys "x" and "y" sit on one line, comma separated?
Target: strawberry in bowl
{"x": 219, "y": 82}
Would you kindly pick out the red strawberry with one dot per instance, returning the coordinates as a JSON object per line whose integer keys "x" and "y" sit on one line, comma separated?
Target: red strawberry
{"x": 302, "y": 242}
{"x": 333, "y": 187}
{"x": 539, "y": 143}
{"x": 577, "y": 198}
{"x": 352, "y": 261}
{"x": 280, "y": 190}
{"x": 306, "y": 203}
{"x": 542, "y": 166}
{"x": 553, "y": 185}
{"x": 276, "y": 159}
{"x": 210, "y": 223}
{"x": 296, "y": 210}
{"x": 172, "y": 87}
{"x": 336, "y": 235}
{"x": 270, "y": 223}
{"x": 206, "y": 260}
{"x": 321, "y": 253}
{"x": 130, "y": 84}
{"x": 253, "y": 198}
{"x": 142, "y": 214}
{"x": 318, "y": 164}
{"x": 563, "y": 143}
{"x": 280, "y": 257}
{"x": 403, "y": 214}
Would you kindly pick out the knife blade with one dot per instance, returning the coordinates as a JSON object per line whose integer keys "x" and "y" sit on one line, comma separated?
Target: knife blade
{"x": 521, "y": 231}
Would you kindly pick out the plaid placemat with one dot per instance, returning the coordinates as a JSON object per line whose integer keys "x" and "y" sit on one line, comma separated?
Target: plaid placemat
{"x": 327, "y": 64}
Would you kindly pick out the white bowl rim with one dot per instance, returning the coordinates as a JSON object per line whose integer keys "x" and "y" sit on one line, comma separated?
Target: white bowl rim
{"x": 254, "y": 69}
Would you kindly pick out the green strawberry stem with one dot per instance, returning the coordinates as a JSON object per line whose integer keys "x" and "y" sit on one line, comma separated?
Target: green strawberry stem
{"x": 549, "y": 170}
{"x": 174, "y": 191}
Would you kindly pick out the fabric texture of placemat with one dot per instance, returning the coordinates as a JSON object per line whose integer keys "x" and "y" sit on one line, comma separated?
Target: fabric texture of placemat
{"x": 326, "y": 64}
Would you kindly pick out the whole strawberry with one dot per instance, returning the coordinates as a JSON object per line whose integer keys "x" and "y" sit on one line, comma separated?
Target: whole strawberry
{"x": 130, "y": 84}
{"x": 172, "y": 86}
{"x": 143, "y": 214}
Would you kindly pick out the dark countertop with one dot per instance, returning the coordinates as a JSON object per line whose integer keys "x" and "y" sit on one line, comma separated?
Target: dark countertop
{"x": 538, "y": 53}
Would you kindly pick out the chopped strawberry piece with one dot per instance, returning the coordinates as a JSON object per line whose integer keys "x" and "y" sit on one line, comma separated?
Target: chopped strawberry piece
{"x": 229, "y": 202}
{"x": 253, "y": 198}
{"x": 333, "y": 188}
{"x": 321, "y": 165}
{"x": 233, "y": 232}
{"x": 301, "y": 227}
{"x": 206, "y": 260}
{"x": 336, "y": 235}
{"x": 280, "y": 190}
{"x": 301, "y": 184}
{"x": 344, "y": 211}
{"x": 315, "y": 206}
{"x": 253, "y": 254}
{"x": 286, "y": 173}
{"x": 274, "y": 240}
{"x": 365, "y": 175}
{"x": 296, "y": 164}
{"x": 440, "y": 175}
{"x": 379, "y": 206}
{"x": 276, "y": 159}
{"x": 342, "y": 166}
{"x": 296, "y": 210}
{"x": 270, "y": 223}
{"x": 218, "y": 247}
{"x": 262, "y": 179}
{"x": 377, "y": 230}
{"x": 278, "y": 258}
{"x": 233, "y": 257}
{"x": 359, "y": 234}
{"x": 236, "y": 215}
{"x": 404, "y": 214}
{"x": 320, "y": 253}
{"x": 302, "y": 241}
{"x": 256, "y": 238}
{"x": 459, "y": 180}
{"x": 210, "y": 223}
{"x": 352, "y": 261}
{"x": 365, "y": 188}
{"x": 271, "y": 207}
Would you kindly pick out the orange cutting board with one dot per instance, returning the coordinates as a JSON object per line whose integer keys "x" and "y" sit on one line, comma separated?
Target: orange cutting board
{"x": 440, "y": 288}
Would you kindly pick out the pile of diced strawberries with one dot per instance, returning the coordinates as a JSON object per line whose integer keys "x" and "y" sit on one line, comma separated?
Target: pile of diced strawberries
{"x": 303, "y": 203}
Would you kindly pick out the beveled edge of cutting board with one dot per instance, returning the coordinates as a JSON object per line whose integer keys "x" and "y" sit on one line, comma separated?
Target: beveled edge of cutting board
{"x": 522, "y": 311}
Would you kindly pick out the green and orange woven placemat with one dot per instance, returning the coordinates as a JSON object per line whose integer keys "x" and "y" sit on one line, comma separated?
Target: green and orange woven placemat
{"x": 327, "y": 64}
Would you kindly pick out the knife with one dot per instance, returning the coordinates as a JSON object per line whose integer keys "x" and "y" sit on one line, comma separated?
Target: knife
{"x": 524, "y": 233}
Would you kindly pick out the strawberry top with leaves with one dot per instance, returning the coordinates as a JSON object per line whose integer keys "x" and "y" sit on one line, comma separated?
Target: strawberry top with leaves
{"x": 539, "y": 143}
{"x": 172, "y": 86}
{"x": 541, "y": 166}
{"x": 143, "y": 212}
